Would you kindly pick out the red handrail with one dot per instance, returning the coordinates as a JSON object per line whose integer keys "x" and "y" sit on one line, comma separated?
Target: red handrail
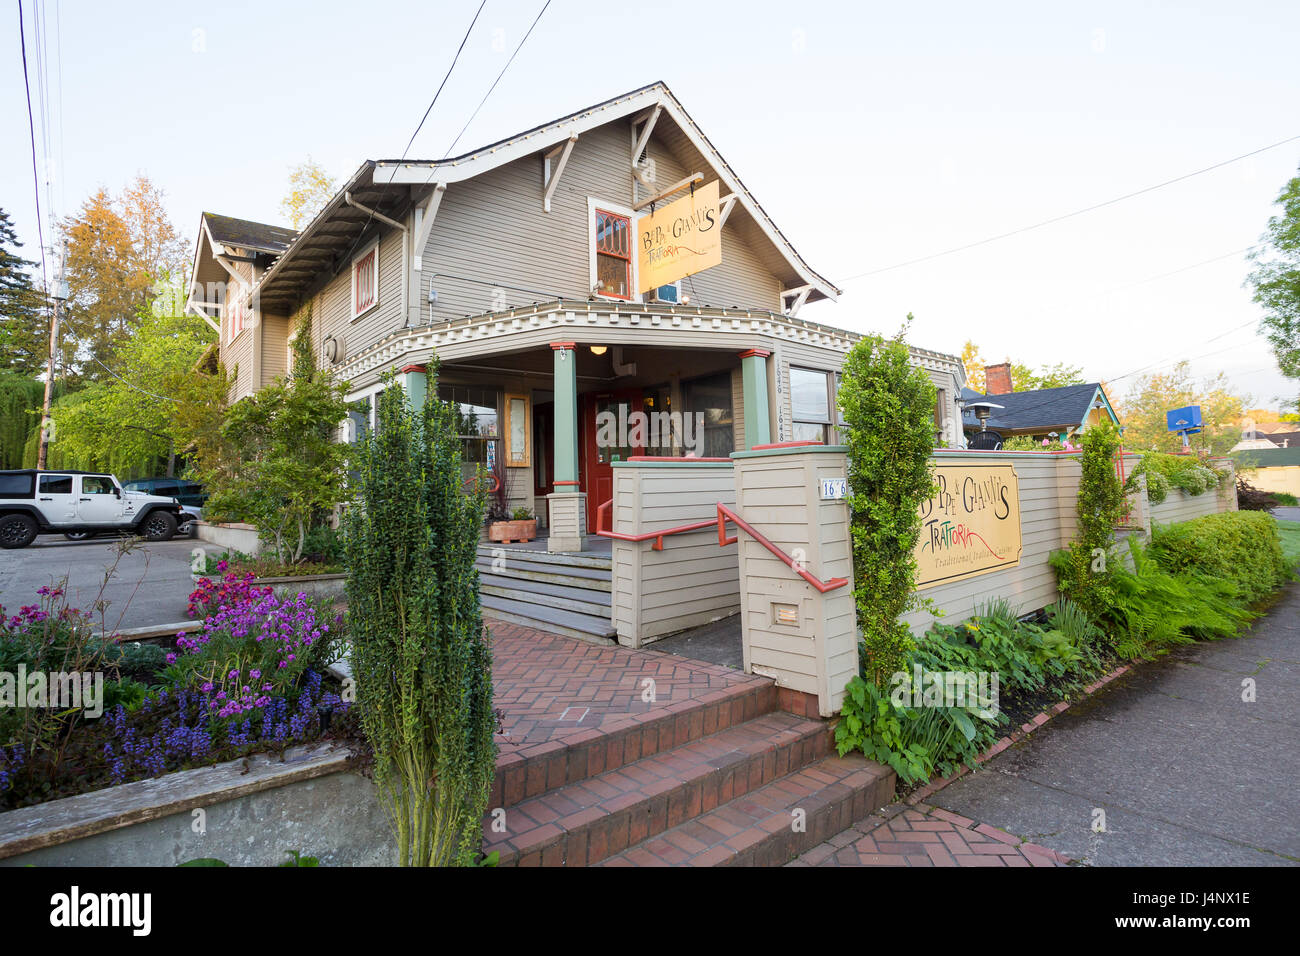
{"x": 658, "y": 536}
{"x": 725, "y": 514}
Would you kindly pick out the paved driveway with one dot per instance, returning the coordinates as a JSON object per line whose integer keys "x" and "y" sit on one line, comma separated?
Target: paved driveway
{"x": 1186, "y": 771}
{"x": 149, "y": 586}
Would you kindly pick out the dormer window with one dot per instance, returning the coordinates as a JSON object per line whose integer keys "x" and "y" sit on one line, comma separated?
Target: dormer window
{"x": 365, "y": 280}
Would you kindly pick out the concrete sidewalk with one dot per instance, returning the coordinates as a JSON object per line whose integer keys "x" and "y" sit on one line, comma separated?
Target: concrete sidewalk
{"x": 1186, "y": 772}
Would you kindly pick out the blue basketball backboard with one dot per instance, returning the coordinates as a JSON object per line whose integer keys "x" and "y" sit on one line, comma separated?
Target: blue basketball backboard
{"x": 1187, "y": 419}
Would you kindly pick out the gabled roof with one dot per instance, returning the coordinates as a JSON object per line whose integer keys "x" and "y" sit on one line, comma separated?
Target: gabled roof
{"x": 655, "y": 96}
{"x": 1039, "y": 409}
{"x": 256, "y": 236}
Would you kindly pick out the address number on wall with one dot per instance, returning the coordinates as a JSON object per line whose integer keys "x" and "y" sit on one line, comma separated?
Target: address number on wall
{"x": 835, "y": 489}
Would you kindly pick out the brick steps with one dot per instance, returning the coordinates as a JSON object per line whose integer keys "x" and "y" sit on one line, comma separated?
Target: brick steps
{"x": 585, "y": 821}
{"x": 758, "y": 828}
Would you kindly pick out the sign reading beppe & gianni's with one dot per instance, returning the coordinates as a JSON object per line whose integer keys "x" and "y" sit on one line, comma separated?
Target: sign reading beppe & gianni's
{"x": 971, "y": 525}
{"x": 679, "y": 239}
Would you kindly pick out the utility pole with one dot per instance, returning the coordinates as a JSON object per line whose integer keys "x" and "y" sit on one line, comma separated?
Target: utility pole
{"x": 56, "y": 313}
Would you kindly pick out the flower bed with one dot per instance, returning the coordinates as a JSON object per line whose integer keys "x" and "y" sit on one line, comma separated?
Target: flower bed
{"x": 250, "y": 677}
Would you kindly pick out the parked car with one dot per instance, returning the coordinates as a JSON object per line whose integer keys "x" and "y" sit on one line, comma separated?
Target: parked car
{"x": 79, "y": 503}
{"x": 186, "y": 492}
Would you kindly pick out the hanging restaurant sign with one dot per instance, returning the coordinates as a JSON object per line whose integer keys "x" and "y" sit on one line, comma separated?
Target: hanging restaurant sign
{"x": 679, "y": 239}
{"x": 970, "y": 525}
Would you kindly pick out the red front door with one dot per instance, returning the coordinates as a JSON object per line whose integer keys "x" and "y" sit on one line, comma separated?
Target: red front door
{"x": 600, "y": 447}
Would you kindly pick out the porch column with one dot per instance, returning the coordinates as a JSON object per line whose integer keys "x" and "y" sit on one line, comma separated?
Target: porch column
{"x": 758, "y": 422}
{"x": 566, "y": 506}
{"x": 415, "y": 381}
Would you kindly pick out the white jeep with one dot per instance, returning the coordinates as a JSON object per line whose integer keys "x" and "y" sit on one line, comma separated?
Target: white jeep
{"x": 79, "y": 504}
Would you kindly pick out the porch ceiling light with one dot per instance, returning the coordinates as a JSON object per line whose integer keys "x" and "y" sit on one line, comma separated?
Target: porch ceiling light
{"x": 597, "y": 349}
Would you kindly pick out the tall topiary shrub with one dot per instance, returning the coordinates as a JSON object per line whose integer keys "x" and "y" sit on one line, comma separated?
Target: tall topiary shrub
{"x": 419, "y": 648}
{"x": 1084, "y": 569}
{"x": 888, "y": 405}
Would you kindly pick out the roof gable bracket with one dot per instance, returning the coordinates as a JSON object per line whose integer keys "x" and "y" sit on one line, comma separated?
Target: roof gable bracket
{"x": 551, "y": 176}
{"x": 727, "y": 202}
{"x": 424, "y": 217}
{"x": 644, "y": 138}
{"x": 800, "y": 297}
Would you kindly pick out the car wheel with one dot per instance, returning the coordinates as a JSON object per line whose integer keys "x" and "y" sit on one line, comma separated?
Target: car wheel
{"x": 17, "y": 531}
{"x": 159, "y": 526}
{"x": 79, "y": 535}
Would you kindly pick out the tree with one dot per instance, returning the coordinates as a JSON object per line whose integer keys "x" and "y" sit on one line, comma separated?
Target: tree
{"x": 132, "y": 421}
{"x": 1143, "y": 410}
{"x": 1276, "y": 280}
{"x": 419, "y": 648}
{"x": 888, "y": 406}
{"x": 287, "y": 467}
{"x": 118, "y": 252}
{"x": 24, "y": 320}
{"x": 310, "y": 188}
{"x": 1023, "y": 378}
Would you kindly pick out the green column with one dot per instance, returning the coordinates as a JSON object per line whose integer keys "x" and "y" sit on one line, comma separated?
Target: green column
{"x": 566, "y": 416}
{"x": 415, "y": 379}
{"x": 758, "y": 422}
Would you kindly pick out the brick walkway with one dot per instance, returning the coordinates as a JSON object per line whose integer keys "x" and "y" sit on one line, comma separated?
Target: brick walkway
{"x": 551, "y": 687}
{"x": 926, "y": 836}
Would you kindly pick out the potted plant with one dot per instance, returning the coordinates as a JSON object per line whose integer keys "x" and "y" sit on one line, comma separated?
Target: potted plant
{"x": 521, "y": 526}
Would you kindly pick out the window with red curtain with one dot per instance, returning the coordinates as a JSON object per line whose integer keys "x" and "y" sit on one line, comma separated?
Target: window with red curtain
{"x": 614, "y": 254}
{"x": 365, "y": 281}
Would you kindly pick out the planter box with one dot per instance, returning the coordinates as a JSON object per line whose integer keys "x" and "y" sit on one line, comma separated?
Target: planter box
{"x": 252, "y": 813}
{"x": 235, "y": 536}
{"x": 507, "y": 531}
{"x": 312, "y": 585}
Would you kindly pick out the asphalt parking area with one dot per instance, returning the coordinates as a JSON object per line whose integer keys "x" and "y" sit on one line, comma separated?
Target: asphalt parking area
{"x": 150, "y": 583}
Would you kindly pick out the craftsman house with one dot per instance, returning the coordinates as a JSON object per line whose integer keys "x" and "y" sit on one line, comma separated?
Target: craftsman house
{"x": 605, "y": 263}
{"x": 1038, "y": 413}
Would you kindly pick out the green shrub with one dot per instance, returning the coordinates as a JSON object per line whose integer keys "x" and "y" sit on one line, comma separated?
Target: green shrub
{"x": 888, "y": 405}
{"x": 1186, "y": 472}
{"x": 1241, "y": 547}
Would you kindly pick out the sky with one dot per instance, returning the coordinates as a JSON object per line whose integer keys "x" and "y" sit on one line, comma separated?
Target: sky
{"x": 874, "y": 134}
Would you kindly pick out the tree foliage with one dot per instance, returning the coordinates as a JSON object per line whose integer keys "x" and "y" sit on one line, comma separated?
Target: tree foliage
{"x": 120, "y": 253}
{"x": 1143, "y": 410}
{"x": 277, "y": 462}
{"x": 24, "y": 319}
{"x": 419, "y": 647}
{"x": 310, "y": 188}
{"x": 1275, "y": 279}
{"x": 20, "y": 413}
{"x": 888, "y": 405}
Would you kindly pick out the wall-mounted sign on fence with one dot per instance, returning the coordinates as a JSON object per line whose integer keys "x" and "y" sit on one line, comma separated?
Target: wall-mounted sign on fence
{"x": 971, "y": 525}
{"x": 679, "y": 239}
{"x": 835, "y": 489}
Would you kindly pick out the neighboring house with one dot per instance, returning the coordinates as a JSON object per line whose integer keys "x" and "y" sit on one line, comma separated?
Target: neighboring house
{"x": 1038, "y": 413}
{"x": 516, "y": 266}
{"x": 1274, "y": 439}
{"x": 1271, "y": 469}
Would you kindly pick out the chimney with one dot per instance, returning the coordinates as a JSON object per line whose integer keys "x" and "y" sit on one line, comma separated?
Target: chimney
{"x": 997, "y": 379}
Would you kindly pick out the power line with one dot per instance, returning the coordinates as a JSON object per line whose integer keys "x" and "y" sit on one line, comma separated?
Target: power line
{"x": 497, "y": 80}
{"x": 1167, "y": 361}
{"x": 444, "y": 79}
{"x": 31, "y": 126}
{"x": 1077, "y": 212}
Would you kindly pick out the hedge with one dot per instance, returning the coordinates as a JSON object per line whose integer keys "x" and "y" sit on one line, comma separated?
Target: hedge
{"x": 1241, "y": 547}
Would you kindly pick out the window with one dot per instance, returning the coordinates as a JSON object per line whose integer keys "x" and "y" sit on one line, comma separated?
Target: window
{"x": 97, "y": 485}
{"x": 56, "y": 484}
{"x": 614, "y": 254}
{"x": 812, "y": 396}
{"x": 518, "y": 431}
{"x": 476, "y": 417}
{"x": 710, "y": 396}
{"x": 940, "y": 414}
{"x": 365, "y": 281}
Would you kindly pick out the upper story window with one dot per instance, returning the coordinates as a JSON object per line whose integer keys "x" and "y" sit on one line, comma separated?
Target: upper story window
{"x": 234, "y": 312}
{"x": 614, "y": 254}
{"x": 814, "y": 405}
{"x": 365, "y": 280}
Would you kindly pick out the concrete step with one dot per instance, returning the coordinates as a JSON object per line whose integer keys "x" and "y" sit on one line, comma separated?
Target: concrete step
{"x": 759, "y": 828}
{"x": 585, "y": 627}
{"x": 530, "y": 771}
{"x": 582, "y": 600}
{"x": 600, "y": 562}
{"x": 574, "y": 577}
{"x": 586, "y": 821}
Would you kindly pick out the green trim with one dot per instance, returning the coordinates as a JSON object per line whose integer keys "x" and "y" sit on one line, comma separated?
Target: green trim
{"x": 801, "y": 450}
{"x": 671, "y": 464}
{"x": 416, "y": 385}
{"x": 566, "y": 415}
{"x": 1110, "y": 411}
{"x": 758, "y": 421}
